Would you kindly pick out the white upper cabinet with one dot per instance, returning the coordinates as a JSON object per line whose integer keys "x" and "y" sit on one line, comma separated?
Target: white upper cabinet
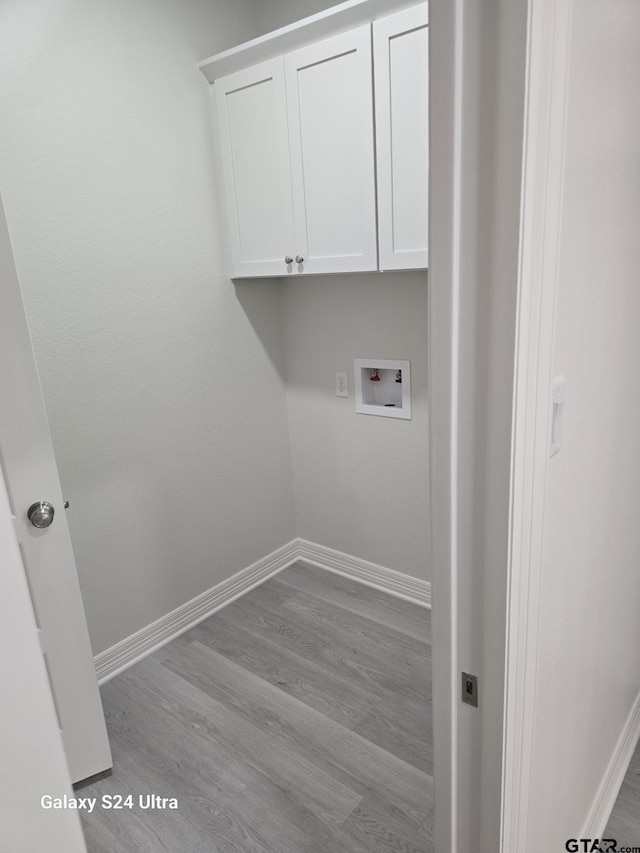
{"x": 329, "y": 97}
{"x": 255, "y": 163}
{"x": 312, "y": 184}
{"x": 401, "y": 63}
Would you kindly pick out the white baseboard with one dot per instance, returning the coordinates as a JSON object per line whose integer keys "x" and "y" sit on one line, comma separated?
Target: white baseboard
{"x": 125, "y": 653}
{"x": 379, "y": 577}
{"x": 609, "y": 788}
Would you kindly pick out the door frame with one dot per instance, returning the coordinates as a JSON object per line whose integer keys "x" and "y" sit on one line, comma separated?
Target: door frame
{"x": 498, "y": 311}
{"x": 546, "y": 102}
{"x": 443, "y": 336}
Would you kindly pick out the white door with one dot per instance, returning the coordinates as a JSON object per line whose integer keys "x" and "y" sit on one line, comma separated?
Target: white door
{"x": 255, "y": 158}
{"x": 26, "y": 454}
{"x": 33, "y": 762}
{"x": 401, "y": 62}
{"x": 329, "y": 97}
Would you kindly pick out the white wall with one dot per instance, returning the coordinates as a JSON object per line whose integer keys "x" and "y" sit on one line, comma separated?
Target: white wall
{"x": 589, "y": 657}
{"x": 360, "y": 481}
{"x": 164, "y": 385}
{"x": 277, "y": 13}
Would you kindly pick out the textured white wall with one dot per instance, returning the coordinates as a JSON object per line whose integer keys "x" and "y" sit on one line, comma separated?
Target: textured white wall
{"x": 589, "y": 664}
{"x": 163, "y": 383}
{"x": 360, "y": 481}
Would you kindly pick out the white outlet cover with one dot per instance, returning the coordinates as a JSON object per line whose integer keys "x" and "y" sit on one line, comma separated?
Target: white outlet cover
{"x": 342, "y": 384}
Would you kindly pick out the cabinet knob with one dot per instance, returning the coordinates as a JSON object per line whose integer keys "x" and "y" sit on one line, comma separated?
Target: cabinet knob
{"x": 299, "y": 259}
{"x": 288, "y": 259}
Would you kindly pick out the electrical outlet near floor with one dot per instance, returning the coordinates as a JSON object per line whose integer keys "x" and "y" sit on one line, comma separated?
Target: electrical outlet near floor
{"x": 342, "y": 385}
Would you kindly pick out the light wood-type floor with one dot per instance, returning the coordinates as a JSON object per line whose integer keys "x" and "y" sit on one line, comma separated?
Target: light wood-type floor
{"x": 295, "y": 720}
{"x": 624, "y": 823}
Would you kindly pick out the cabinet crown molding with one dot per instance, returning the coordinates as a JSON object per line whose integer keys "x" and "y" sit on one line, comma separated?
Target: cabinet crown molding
{"x": 332, "y": 21}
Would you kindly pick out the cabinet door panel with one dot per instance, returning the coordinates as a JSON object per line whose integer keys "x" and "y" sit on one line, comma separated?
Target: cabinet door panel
{"x": 401, "y": 63}
{"x": 329, "y": 105}
{"x": 255, "y": 156}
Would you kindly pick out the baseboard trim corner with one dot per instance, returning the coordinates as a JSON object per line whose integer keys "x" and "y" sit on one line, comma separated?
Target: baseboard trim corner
{"x": 124, "y": 654}
{"x": 145, "y": 641}
{"x": 609, "y": 787}
{"x": 379, "y": 577}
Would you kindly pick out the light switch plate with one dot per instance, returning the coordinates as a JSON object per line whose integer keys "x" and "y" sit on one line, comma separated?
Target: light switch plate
{"x": 557, "y": 415}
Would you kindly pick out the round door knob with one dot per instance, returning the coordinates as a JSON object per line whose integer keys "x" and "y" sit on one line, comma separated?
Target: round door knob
{"x": 299, "y": 259}
{"x": 288, "y": 259}
{"x": 40, "y": 514}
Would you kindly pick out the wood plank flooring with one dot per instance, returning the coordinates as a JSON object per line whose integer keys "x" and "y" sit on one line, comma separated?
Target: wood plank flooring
{"x": 624, "y": 823}
{"x": 295, "y": 720}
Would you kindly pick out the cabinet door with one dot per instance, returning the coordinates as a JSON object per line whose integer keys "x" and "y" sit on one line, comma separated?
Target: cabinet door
{"x": 401, "y": 63}
{"x": 329, "y": 105}
{"x": 255, "y": 161}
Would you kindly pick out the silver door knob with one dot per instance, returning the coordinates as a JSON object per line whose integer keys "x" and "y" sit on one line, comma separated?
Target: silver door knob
{"x": 299, "y": 259}
{"x": 288, "y": 259}
{"x": 40, "y": 514}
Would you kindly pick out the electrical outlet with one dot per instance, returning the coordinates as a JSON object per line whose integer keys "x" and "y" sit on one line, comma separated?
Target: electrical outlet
{"x": 342, "y": 385}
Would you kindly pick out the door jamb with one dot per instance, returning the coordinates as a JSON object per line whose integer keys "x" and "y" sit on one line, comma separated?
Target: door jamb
{"x": 545, "y": 106}
{"x": 443, "y": 312}
{"x": 546, "y": 98}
